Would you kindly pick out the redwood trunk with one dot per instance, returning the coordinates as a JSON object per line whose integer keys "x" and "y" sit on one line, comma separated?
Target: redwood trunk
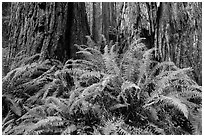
{"x": 49, "y": 28}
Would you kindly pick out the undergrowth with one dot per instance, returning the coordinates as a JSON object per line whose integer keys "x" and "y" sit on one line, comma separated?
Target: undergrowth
{"x": 101, "y": 93}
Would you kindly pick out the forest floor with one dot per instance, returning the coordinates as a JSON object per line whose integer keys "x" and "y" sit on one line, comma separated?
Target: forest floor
{"x": 100, "y": 93}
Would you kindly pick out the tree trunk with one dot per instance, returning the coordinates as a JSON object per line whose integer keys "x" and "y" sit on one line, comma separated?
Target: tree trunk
{"x": 47, "y": 28}
{"x": 105, "y": 20}
{"x": 175, "y": 31}
{"x": 96, "y": 21}
{"x": 177, "y": 34}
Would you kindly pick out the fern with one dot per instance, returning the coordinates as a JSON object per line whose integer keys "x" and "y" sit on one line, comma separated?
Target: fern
{"x": 135, "y": 87}
{"x": 69, "y": 130}
{"x": 177, "y": 103}
{"x": 45, "y": 126}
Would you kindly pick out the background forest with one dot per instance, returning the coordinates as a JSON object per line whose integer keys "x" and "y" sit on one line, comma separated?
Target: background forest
{"x": 101, "y": 68}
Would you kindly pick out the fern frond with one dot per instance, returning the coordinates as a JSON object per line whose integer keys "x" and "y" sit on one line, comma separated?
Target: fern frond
{"x": 110, "y": 63}
{"x": 81, "y": 47}
{"x": 110, "y": 128}
{"x": 153, "y": 113}
{"x": 76, "y": 71}
{"x": 196, "y": 121}
{"x": 145, "y": 64}
{"x": 46, "y": 125}
{"x": 117, "y": 106}
{"x": 69, "y": 130}
{"x": 127, "y": 85}
{"x": 87, "y": 91}
{"x": 60, "y": 106}
{"x": 171, "y": 100}
{"x": 35, "y": 113}
{"x": 91, "y": 74}
{"x": 21, "y": 129}
{"x": 30, "y": 59}
{"x": 90, "y": 42}
{"x": 160, "y": 65}
{"x": 135, "y": 44}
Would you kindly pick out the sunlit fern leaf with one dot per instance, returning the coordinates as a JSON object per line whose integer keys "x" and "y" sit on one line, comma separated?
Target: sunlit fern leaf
{"x": 110, "y": 63}
{"x": 21, "y": 129}
{"x": 76, "y": 71}
{"x": 69, "y": 61}
{"x": 152, "y": 113}
{"x": 60, "y": 105}
{"x": 109, "y": 128}
{"x": 106, "y": 80}
{"x": 49, "y": 121}
{"x": 46, "y": 131}
{"x": 69, "y": 130}
{"x": 154, "y": 99}
{"x": 90, "y": 89}
{"x": 127, "y": 85}
{"x": 46, "y": 124}
{"x": 114, "y": 126}
{"x": 92, "y": 74}
{"x": 112, "y": 49}
{"x": 117, "y": 106}
{"x": 176, "y": 102}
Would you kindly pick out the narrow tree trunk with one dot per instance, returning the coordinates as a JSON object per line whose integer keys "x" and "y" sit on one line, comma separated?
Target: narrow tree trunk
{"x": 106, "y": 17}
{"x": 112, "y": 14}
{"x": 96, "y": 21}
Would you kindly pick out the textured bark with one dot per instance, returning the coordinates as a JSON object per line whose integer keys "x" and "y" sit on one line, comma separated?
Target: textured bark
{"x": 175, "y": 30}
{"x": 106, "y": 19}
{"x": 112, "y": 14}
{"x": 178, "y": 35}
{"x": 96, "y": 21}
{"x": 47, "y": 28}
